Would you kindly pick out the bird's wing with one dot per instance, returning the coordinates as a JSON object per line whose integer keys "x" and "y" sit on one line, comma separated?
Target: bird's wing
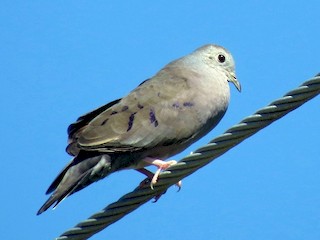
{"x": 158, "y": 112}
{"x": 75, "y": 128}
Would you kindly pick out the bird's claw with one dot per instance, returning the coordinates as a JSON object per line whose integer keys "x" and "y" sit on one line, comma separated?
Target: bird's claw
{"x": 161, "y": 166}
{"x": 153, "y": 178}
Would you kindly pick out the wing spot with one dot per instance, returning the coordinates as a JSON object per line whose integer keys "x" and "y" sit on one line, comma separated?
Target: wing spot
{"x": 153, "y": 118}
{"x": 113, "y": 112}
{"x": 176, "y": 105}
{"x": 125, "y": 108}
{"x": 130, "y": 123}
{"x": 105, "y": 121}
{"x": 188, "y": 104}
{"x": 139, "y": 106}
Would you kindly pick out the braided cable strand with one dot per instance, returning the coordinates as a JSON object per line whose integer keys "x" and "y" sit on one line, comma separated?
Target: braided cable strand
{"x": 201, "y": 157}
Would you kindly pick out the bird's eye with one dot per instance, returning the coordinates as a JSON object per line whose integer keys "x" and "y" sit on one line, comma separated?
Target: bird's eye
{"x": 221, "y": 58}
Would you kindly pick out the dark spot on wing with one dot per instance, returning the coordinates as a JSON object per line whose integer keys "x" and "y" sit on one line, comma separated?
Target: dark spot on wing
{"x": 153, "y": 118}
{"x": 184, "y": 79}
{"x": 113, "y": 112}
{"x": 104, "y": 122}
{"x": 185, "y": 104}
{"x": 176, "y": 105}
{"x": 188, "y": 104}
{"x": 125, "y": 108}
{"x": 130, "y": 123}
{"x": 139, "y": 106}
{"x": 159, "y": 94}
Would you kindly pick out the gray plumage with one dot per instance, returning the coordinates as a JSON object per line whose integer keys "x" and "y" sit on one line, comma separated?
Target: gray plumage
{"x": 160, "y": 118}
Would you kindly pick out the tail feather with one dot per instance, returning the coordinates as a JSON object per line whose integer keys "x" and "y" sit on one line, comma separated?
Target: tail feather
{"x": 78, "y": 174}
{"x": 58, "y": 179}
{"x": 58, "y": 197}
{"x": 53, "y": 200}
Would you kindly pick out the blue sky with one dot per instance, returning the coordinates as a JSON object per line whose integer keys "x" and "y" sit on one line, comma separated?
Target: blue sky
{"x": 60, "y": 59}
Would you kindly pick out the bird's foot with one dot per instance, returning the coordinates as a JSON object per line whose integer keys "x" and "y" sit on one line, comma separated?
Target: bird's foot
{"x": 162, "y": 165}
{"x": 148, "y": 180}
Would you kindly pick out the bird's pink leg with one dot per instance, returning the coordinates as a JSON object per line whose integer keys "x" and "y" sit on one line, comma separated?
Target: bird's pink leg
{"x": 162, "y": 165}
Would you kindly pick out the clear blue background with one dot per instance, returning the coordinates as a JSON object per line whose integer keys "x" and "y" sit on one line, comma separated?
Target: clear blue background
{"x": 60, "y": 59}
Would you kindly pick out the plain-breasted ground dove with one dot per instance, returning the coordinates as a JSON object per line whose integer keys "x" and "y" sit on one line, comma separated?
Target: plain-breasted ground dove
{"x": 160, "y": 118}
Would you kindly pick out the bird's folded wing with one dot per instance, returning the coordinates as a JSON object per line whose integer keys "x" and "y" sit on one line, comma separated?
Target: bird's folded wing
{"x": 149, "y": 116}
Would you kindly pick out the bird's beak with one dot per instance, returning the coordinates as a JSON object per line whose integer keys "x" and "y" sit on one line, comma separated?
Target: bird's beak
{"x": 233, "y": 79}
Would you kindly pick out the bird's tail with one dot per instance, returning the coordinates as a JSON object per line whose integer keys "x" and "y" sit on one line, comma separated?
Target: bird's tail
{"x": 79, "y": 173}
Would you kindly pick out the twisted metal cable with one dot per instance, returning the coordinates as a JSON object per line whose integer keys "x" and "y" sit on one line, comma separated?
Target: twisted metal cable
{"x": 199, "y": 158}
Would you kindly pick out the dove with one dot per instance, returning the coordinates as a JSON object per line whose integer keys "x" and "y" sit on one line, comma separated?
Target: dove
{"x": 160, "y": 118}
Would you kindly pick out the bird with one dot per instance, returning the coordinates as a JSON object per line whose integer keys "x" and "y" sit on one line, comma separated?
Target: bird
{"x": 160, "y": 118}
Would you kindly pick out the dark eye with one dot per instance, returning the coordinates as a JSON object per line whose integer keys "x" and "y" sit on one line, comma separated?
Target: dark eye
{"x": 221, "y": 58}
